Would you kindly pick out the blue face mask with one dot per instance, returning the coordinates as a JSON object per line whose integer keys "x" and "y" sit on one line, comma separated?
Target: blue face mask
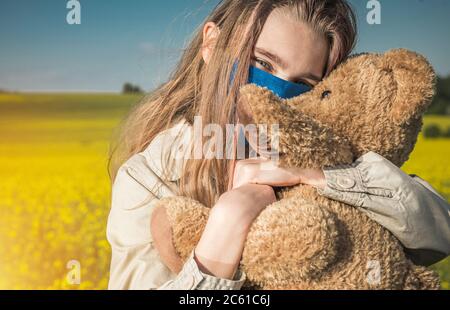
{"x": 282, "y": 88}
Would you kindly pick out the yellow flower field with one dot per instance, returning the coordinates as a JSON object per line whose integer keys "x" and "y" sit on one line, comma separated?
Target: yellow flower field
{"x": 54, "y": 188}
{"x": 55, "y": 191}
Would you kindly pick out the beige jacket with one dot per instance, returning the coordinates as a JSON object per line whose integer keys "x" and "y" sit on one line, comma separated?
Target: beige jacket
{"x": 405, "y": 205}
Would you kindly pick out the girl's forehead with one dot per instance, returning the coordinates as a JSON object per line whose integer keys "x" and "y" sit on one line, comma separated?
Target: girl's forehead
{"x": 298, "y": 47}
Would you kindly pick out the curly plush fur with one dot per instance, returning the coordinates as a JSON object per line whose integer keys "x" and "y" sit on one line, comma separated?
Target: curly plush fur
{"x": 372, "y": 102}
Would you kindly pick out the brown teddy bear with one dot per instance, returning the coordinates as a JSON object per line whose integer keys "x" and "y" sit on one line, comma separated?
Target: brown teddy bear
{"x": 372, "y": 102}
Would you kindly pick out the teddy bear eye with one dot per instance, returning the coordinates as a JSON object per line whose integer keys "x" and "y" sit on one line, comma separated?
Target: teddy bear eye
{"x": 326, "y": 94}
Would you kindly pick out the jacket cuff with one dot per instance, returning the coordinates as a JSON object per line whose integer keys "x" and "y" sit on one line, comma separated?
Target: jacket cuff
{"x": 344, "y": 183}
{"x": 191, "y": 278}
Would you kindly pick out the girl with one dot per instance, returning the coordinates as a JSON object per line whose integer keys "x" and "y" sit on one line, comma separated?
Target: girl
{"x": 298, "y": 43}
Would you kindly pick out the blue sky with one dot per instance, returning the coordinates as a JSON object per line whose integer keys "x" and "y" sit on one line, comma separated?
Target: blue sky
{"x": 141, "y": 40}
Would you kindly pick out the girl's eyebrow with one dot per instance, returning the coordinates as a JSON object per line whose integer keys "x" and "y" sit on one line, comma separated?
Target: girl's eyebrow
{"x": 277, "y": 59}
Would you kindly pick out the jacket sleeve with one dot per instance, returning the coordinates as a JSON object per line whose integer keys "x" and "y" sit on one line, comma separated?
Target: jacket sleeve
{"x": 135, "y": 262}
{"x": 406, "y": 205}
{"x": 192, "y": 278}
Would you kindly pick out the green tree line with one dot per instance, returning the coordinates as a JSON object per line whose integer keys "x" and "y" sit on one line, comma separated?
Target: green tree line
{"x": 441, "y": 101}
{"x": 129, "y": 88}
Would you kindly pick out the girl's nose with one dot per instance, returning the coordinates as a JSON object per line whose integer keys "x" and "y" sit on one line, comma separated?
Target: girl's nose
{"x": 284, "y": 76}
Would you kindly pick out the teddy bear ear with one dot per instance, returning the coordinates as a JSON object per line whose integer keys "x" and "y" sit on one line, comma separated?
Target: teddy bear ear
{"x": 415, "y": 80}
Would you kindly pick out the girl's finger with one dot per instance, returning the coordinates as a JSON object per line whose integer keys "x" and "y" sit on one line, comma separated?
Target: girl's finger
{"x": 277, "y": 177}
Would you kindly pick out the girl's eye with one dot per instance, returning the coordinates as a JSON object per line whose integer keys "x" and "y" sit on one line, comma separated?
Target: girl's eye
{"x": 263, "y": 64}
{"x": 305, "y": 83}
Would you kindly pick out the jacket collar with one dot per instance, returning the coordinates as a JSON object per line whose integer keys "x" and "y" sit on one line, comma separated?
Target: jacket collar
{"x": 167, "y": 151}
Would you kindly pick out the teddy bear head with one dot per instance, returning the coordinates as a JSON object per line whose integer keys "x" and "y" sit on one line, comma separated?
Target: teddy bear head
{"x": 371, "y": 102}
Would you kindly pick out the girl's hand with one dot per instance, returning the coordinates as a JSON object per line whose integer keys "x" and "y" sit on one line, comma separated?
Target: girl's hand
{"x": 243, "y": 204}
{"x": 265, "y": 171}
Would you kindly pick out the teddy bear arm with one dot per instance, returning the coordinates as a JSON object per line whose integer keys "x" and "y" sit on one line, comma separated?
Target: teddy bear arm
{"x": 421, "y": 278}
{"x": 292, "y": 240}
{"x": 187, "y": 219}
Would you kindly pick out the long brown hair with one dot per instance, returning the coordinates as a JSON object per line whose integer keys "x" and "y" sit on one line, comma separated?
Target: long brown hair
{"x": 195, "y": 88}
